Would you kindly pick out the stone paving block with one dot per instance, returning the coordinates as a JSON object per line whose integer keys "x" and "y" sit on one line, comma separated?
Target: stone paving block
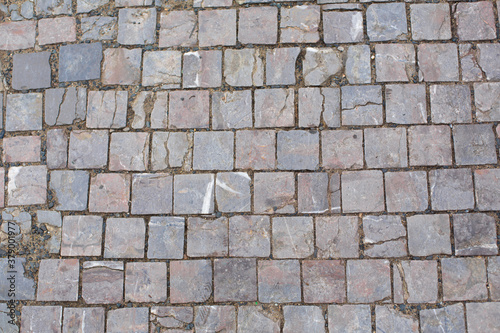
{"x": 170, "y": 150}
{"x": 483, "y": 317}
{"x": 31, "y": 71}
{"x": 430, "y": 21}
{"x": 487, "y": 188}
{"x": 474, "y": 144}
{"x": 323, "y": 281}
{"x": 249, "y": 236}
{"x": 170, "y": 317}
{"x": 212, "y": 3}
{"x": 390, "y": 319}
{"x": 20, "y": 222}
{"x": 217, "y": 27}
{"x": 162, "y": 67}
{"x": 166, "y": 237}
{"x": 255, "y": 149}
{"x": 362, "y": 191}
{"x": 8, "y": 319}
{"x": 107, "y": 109}
{"x": 137, "y": 26}
{"x": 279, "y": 281}
{"x": 65, "y": 106}
{"x": 258, "y": 319}
{"x": 343, "y": 27}
{"x": 299, "y": 24}
{"x": 258, "y": 25}
{"x": 438, "y": 62}
{"x": 70, "y": 189}
{"x": 450, "y": 104}
{"x": 235, "y": 280}
{"x": 487, "y": 101}
{"x": 494, "y": 277}
{"x": 23, "y": 287}
{"x": 82, "y": 319}
{"x": 274, "y": 108}
{"x": 386, "y": 21}
{"x": 303, "y": 318}
{"x": 88, "y": 149}
{"x": 189, "y": 109}
{"x": 280, "y": 65}
{"x": 451, "y": 189}
{"x": 298, "y": 150}
{"x": 146, "y": 282}
{"x": 158, "y": 112}
{"x": 102, "y": 282}
{"x": 121, "y": 66}
{"x": 178, "y": 28}
{"x": 129, "y": 151}
{"x": 213, "y": 150}
{"x": 406, "y": 191}
{"x": 151, "y": 194}
{"x": 27, "y": 185}
{"x": 362, "y": 105}
{"x": 475, "y": 234}
{"x": 415, "y": 281}
{"x": 475, "y": 21}
{"x": 337, "y": 237}
{"x": 320, "y": 65}
{"x": 429, "y": 234}
{"x": 48, "y": 317}
{"x": 22, "y": 149}
{"x": 23, "y": 112}
{"x": 53, "y": 222}
{"x": 293, "y": 237}
{"x": 86, "y": 6}
{"x": 215, "y": 318}
{"x": 58, "y": 280}
{"x": 464, "y": 279}
{"x": 133, "y": 3}
{"x": 312, "y": 193}
{"x": 207, "y": 237}
{"x": 488, "y": 60}
{"x": 231, "y": 109}
{"x": 99, "y": 28}
{"x": 395, "y": 62}
{"x": 385, "y": 147}
{"x": 53, "y": 7}
{"x": 194, "y": 194}
{"x": 406, "y": 104}
{"x": 342, "y": 149}
{"x": 357, "y": 66}
{"x": 469, "y": 61}
{"x": 56, "y": 30}
{"x": 202, "y": 69}
{"x": 319, "y": 106}
{"x": 349, "y": 318}
{"x": 80, "y": 62}
{"x": 274, "y": 192}
{"x": 448, "y": 319}
{"x": 128, "y": 319}
{"x": 124, "y": 238}
{"x": 18, "y": 35}
{"x": 368, "y": 280}
{"x": 429, "y": 145}
{"x": 190, "y": 281}
{"x": 384, "y": 236}
{"x": 232, "y": 192}
{"x": 244, "y": 67}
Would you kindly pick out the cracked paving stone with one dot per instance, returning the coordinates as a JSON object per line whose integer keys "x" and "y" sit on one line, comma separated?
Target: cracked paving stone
{"x": 99, "y": 28}
{"x": 300, "y": 24}
{"x": 170, "y": 150}
{"x": 215, "y": 318}
{"x": 464, "y": 279}
{"x": 337, "y": 237}
{"x": 162, "y": 68}
{"x": 395, "y": 62}
{"x": 170, "y": 317}
{"x": 6, "y": 319}
{"x": 70, "y": 189}
{"x": 53, "y": 222}
{"x": 244, "y": 67}
{"x": 125, "y": 238}
{"x": 320, "y": 65}
{"x": 274, "y": 192}
{"x": 384, "y": 236}
{"x": 65, "y": 106}
{"x": 415, "y": 281}
{"x": 274, "y": 108}
{"x": 448, "y": 319}
{"x": 102, "y": 282}
{"x": 121, "y": 66}
{"x": 280, "y": 65}
{"x": 257, "y": 319}
{"x": 107, "y": 109}
{"x": 487, "y": 101}
{"x": 362, "y": 105}
{"x": 319, "y": 106}
{"x": 390, "y": 319}
{"x": 487, "y": 60}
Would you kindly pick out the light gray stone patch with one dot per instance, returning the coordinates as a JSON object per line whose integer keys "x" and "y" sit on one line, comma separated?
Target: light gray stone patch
{"x": 27, "y": 185}
{"x": 257, "y": 319}
{"x": 300, "y": 24}
{"x": 280, "y": 65}
{"x": 488, "y": 60}
{"x": 202, "y": 69}
{"x": 429, "y": 234}
{"x": 171, "y": 150}
{"x": 70, "y": 189}
{"x": 6, "y": 319}
{"x": 57, "y": 148}
{"x": 244, "y": 67}
{"x": 392, "y": 320}
{"x": 31, "y": 71}
{"x": 320, "y": 65}
{"x": 213, "y": 150}
{"x": 349, "y": 318}
{"x": 162, "y": 68}
{"x": 385, "y": 236}
{"x": 319, "y": 107}
{"x": 232, "y": 109}
{"x": 20, "y": 222}
{"x": 53, "y": 222}
{"x": 232, "y": 192}
{"x": 362, "y": 105}
{"x": 448, "y": 319}
{"x": 487, "y": 100}
{"x": 99, "y": 28}
{"x": 88, "y": 149}
{"x": 80, "y": 62}
{"x": 24, "y": 112}
{"x": 386, "y": 22}
{"x": 178, "y": 28}
{"x": 85, "y": 6}
{"x": 107, "y": 109}
{"x": 166, "y": 238}
{"x": 194, "y": 194}
{"x": 129, "y": 151}
{"x": 53, "y": 7}
{"x": 415, "y": 281}
{"x": 303, "y": 318}
{"x": 357, "y": 66}
{"x": 24, "y": 286}
{"x": 159, "y": 113}
{"x": 64, "y": 106}
{"x": 136, "y": 26}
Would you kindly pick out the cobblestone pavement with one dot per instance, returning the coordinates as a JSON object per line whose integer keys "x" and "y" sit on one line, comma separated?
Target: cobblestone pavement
{"x": 249, "y": 166}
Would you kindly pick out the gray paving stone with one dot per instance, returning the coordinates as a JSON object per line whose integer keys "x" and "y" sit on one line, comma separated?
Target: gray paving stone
{"x": 207, "y": 237}
{"x": 385, "y": 147}
{"x": 255, "y": 149}
{"x": 58, "y": 280}
{"x": 487, "y": 101}
{"x": 483, "y": 317}
{"x": 231, "y": 109}
{"x": 128, "y": 319}
{"x": 362, "y": 105}
{"x": 337, "y": 237}
{"x": 91, "y": 319}
{"x": 293, "y": 237}
{"x": 475, "y": 234}
{"x": 469, "y": 61}
{"x": 319, "y": 106}
{"x": 343, "y": 27}
{"x": 415, "y": 281}
{"x": 162, "y": 68}
{"x": 349, "y": 318}
{"x": 438, "y": 62}
{"x": 171, "y": 150}
{"x": 102, "y": 282}
{"x": 129, "y": 151}
{"x": 384, "y": 236}
{"x": 450, "y": 104}
{"x": 475, "y": 21}
{"x": 146, "y": 282}
{"x": 464, "y": 279}
{"x": 391, "y": 320}
{"x": 368, "y": 280}
{"x": 80, "y": 62}
{"x": 357, "y": 66}
{"x": 249, "y": 236}
{"x": 386, "y": 22}
{"x": 86, "y": 6}
{"x": 301, "y": 318}
{"x": 23, "y": 112}
{"x": 430, "y": 21}
{"x": 190, "y": 281}
{"x": 448, "y": 319}
{"x": 312, "y": 193}
{"x": 8, "y": 319}
{"x": 170, "y": 317}
{"x": 107, "y": 109}
{"x": 297, "y": 150}
{"x": 53, "y": 7}
{"x": 406, "y": 104}
{"x": 19, "y": 221}
{"x": 395, "y": 62}
{"x": 189, "y": 109}
{"x": 65, "y": 106}
{"x": 213, "y": 150}
{"x": 323, "y": 281}
{"x": 258, "y": 25}
{"x": 274, "y": 108}
{"x": 159, "y": 114}
{"x": 232, "y": 192}
{"x": 88, "y": 149}
{"x": 22, "y": 149}
{"x": 124, "y": 238}
{"x": 212, "y": 3}
{"x": 166, "y": 238}
{"x": 178, "y": 28}
{"x": 406, "y": 191}
{"x": 280, "y": 65}
{"x": 49, "y": 317}
{"x": 274, "y": 192}
{"x": 279, "y": 281}
{"x": 300, "y": 24}
{"x": 215, "y": 318}
{"x": 121, "y": 66}
{"x": 429, "y": 234}
{"x": 81, "y": 236}
{"x": 27, "y": 185}
{"x": 487, "y": 60}
{"x": 31, "y": 71}
{"x": 487, "y": 182}
{"x": 429, "y": 145}
{"x": 320, "y": 65}
{"x": 137, "y": 26}
{"x": 494, "y": 277}
{"x": 53, "y": 222}
{"x": 451, "y": 189}
{"x": 342, "y": 149}
{"x": 217, "y": 27}
{"x": 258, "y": 319}
{"x": 109, "y": 193}
{"x": 133, "y": 3}
{"x": 474, "y": 144}
{"x": 151, "y": 193}
{"x": 244, "y": 67}
{"x": 194, "y": 194}
{"x": 144, "y": 102}
{"x": 70, "y": 189}
{"x": 99, "y": 28}
{"x": 362, "y": 191}
{"x": 202, "y": 69}
{"x": 22, "y": 286}
{"x": 235, "y": 280}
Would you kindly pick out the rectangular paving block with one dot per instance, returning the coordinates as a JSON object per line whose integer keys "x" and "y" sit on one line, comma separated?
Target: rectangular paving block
{"x": 102, "y": 282}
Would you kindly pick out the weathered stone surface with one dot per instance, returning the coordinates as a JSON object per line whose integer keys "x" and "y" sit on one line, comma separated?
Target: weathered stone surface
{"x": 449, "y": 319}
{"x": 494, "y": 277}
{"x": 298, "y": 150}
{"x": 128, "y": 319}
{"x": 258, "y": 25}
{"x": 47, "y": 317}
{"x": 207, "y": 237}
{"x": 85, "y": 6}
{"x": 109, "y": 193}
{"x": 415, "y": 281}
{"x": 469, "y": 61}
{"x": 279, "y": 281}
{"x": 65, "y": 106}
{"x": 53, "y": 222}
{"x": 189, "y": 109}
{"x": 107, "y": 109}
{"x": 202, "y": 69}
{"x": 249, "y": 236}
{"x": 146, "y": 282}
{"x": 194, "y": 194}
{"x": 368, "y": 280}
{"x": 162, "y": 67}
{"x": 319, "y": 106}
{"x": 231, "y": 109}
{"x": 137, "y": 26}
{"x": 31, "y": 71}
{"x": 22, "y": 149}
{"x": 213, "y": 150}
{"x": 293, "y": 237}
{"x": 255, "y": 149}
{"x": 70, "y": 189}
{"x": 313, "y": 193}
{"x": 133, "y": 3}
{"x": 257, "y": 319}
{"x": 386, "y": 22}
{"x": 303, "y": 318}
{"x": 438, "y": 62}
{"x": 27, "y": 185}
{"x": 320, "y": 65}
{"x": 217, "y": 27}
{"x": 475, "y": 21}
{"x": 395, "y": 62}
{"x": 362, "y": 191}
{"x": 274, "y": 192}
{"x": 81, "y": 236}
{"x": 391, "y": 320}
{"x": 18, "y": 35}
{"x": 171, "y": 150}
{"x": 300, "y": 24}
{"x": 337, "y": 237}
{"x": 430, "y": 21}
{"x": 244, "y": 67}
{"x": 53, "y": 7}
{"x": 450, "y": 104}
{"x": 170, "y": 317}
{"x": 190, "y": 281}
{"x": 58, "y": 280}
{"x": 357, "y": 66}
{"x": 342, "y": 27}
{"x": 6, "y": 319}
{"x": 159, "y": 114}
{"x": 483, "y": 317}
{"x": 23, "y": 112}
{"x": 129, "y": 151}
{"x": 486, "y": 100}
{"x": 475, "y": 234}
{"x": 80, "y": 62}
{"x": 429, "y": 145}
{"x": 215, "y": 318}
{"x": 56, "y": 30}
{"x": 385, "y": 147}
{"x": 487, "y": 60}
{"x": 323, "y": 281}
{"x": 464, "y": 279}
{"x": 82, "y": 319}
{"x": 99, "y": 28}
{"x": 102, "y": 282}
{"x": 362, "y": 105}
{"x": 451, "y": 189}
{"x": 124, "y": 238}
{"x": 88, "y": 149}
{"x": 19, "y": 221}
{"x": 487, "y": 182}
{"x": 384, "y": 236}
{"x": 349, "y": 318}
{"x": 274, "y": 108}
{"x": 406, "y": 104}
{"x": 24, "y": 287}
{"x": 474, "y": 144}
{"x": 235, "y": 280}
{"x": 178, "y": 28}
{"x": 232, "y": 192}
{"x": 280, "y": 65}
{"x": 121, "y": 66}
{"x": 342, "y": 149}
{"x": 166, "y": 238}
{"x": 406, "y": 191}
{"x": 151, "y": 194}
{"x": 429, "y": 234}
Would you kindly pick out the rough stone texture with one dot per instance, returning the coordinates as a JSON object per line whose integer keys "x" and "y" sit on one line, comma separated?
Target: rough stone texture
{"x": 357, "y": 66}
{"x": 24, "y": 286}
{"x": 53, "y": 7}
{"x": 349, "y": 318}
{"x": 57, "y": 146}
{"x": 202, "y": 69}
{"x": 88, "y": 149}
{"x": 362, "y": 191}
{"x": 300, "y": 24}
{"x": 99, "y": 28}
{"x": 31, "y": 71}
{"x": 451, "y": 189}
{"x": 258, "y": 25}
{"x": 448, "y": 319}
{"x": 81, "y": 319}
{"x": 190, "y": 281}
{"x": 162, "y": 67}
{"x": 313, "y": 193}
{"x": 342, "y": 27}
{"x": 255, "y": 149}
{"x": 27, "y": 185}
{"x": 323, "y": 281}
{"x": 319, "y": 106}
{"x": 337, "y": 237}
{"x": 21, "y": 149}
{"x": 406, "y": 104}
{"x": 53, "y": 222}
{"x": 188, "y": 109}
{"x": 244, "y": 67}
{"x": 128, "y": 319}
{"x": 298, "y": 150}
{"x": 215, "y": 319}
{"x": 249, "y": 236}
{"x": 170, "y": 317}
{"x": 232, "y": 192}
{"x": 429, "y": 145}
{"x": 170, "y": 150}
{"x": 274, "y": 192}
{"x": 274, "y": 108}
{"x": 129, "y": 151}
{"x": 74, "y": 64}
{"x": 474, "y": 144}
{"x": 488, "y": 53}
{"x": 232, "y": 109}
{"x": 320, "y": 65}
{"x": 486, "y": 100}
{"x": 107, "y": 109}
{"x": 386, "y": 22}
{"x": 385, "y": 147}
{"x": 23, "y": 112}
{"x": 217, "y": 27}
{"x": 56, "y": 30}
{"x": 207, "y": 237}
{"x": 48, "y": 317}
{"x": 280, "y": 65}
{"x": 279, "y": 281}
{"x": 151, "y": 194}
{"x": 494, "y": 277}
{"x": 395, "y": 62}
{"x": 293, "y": 237}
{"x": 483, "y": 317}
{"x": 121, "y": 66}
{"x": 406, "y": 191}
{"x": 137, "y": 26}
{"x": 450, "y": 104}
{"x": 438, "y": 62}
{"x": 475, "y": 21}
{"x": 102, "y": 282}
{"x": 70, "y": 189}
{"x": 391, "y": 320}
{"x": 474, "y": 234}
{"x": 430, "y": 21}
{"x": 429, "y": 234}
{"x": 303, "y": 318}
{"x": 194, "y": 194}
{"x": 109, "y": 192}
{"x": 58, "y": 280}
{"x": 85, "y": 6}
{"x": 257, "y": 319}
{"x": 18, "y": 35}
{"x": 213, "y": 150}
{"x": 65, "y": 106}
{"x": 464, "y": 279}
{"x": 178, "y": 28}
{"x": 487, "y": 182}
{"x": 415, "y": 281}
{"x": 368, "y": 280}
{"x": 384, "y": 236}
{"x": 235, "y": 280}
{"x": 362, "y": 105}
{"x": 166, "y": 237}
{"x": 124, "y": 238}
{"x": 146, "y": 282}
{"x": 342, "y": 149}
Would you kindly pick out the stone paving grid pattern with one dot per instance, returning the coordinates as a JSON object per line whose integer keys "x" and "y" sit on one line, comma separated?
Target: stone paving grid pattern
{"x": 250, "y": 165}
